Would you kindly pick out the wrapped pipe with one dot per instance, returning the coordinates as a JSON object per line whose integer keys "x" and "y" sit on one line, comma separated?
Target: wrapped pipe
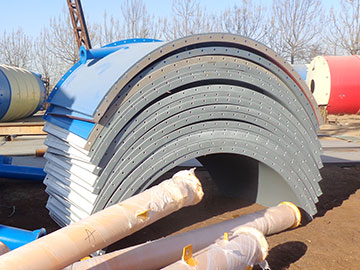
{"x": 15, "y": 237}
{"x": 164, "y": 251}
{"x": 71, "y": 243}
{"x": 242, "y": 250}
{"x": 3, "y": 248}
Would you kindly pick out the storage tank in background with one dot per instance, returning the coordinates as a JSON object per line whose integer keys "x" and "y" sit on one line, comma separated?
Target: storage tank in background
{"x": 22, "y": 93}
{"x": 335, "y": 83}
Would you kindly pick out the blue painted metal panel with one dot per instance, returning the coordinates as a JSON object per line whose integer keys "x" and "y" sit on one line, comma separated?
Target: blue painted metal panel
{"x": 78, "y": 127}
{"x": 5, "y": 160}
{"x": 56, "y": 110}
{"x": 74, "y": 67}
{"x": 5, "y": 94}
{"x": 110, "y": 48}
{"x": 22, "y": 172}
{"x": 131, "y": 40}
{"x": 98, "y": 53}
{"x": 14, "y": 237}
{"x": 93, "y": 82}
{"x": 60, "y": 82}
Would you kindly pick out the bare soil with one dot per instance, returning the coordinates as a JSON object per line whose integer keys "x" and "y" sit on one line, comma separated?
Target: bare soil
{"x": 330, "y": 241}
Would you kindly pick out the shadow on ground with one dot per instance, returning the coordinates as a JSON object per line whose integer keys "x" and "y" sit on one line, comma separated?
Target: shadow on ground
{"x": 283, "y": 255}
{"x": 339, "y": 182}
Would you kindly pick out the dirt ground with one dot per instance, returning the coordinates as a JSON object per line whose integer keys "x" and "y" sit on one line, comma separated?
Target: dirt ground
{"x": 330, "y": 241}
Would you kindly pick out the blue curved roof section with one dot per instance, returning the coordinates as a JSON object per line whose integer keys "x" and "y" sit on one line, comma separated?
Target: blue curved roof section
{"x": 104, "y": 73}
{"x": 60, "y": 82}
{"x": 92, "y": 81}
{"x": 76, "y": 126}
{"x": 5, "y": 94}
{"x": 57, "y": 110}
{"x": 131, "y": 40}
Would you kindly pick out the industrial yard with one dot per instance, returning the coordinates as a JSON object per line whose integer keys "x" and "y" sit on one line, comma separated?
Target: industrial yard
{"x": 180, "y": 137}
{"x": 330, "y": 241}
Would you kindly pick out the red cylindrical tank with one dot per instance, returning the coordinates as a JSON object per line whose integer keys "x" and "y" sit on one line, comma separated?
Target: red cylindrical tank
{"x": 335, "y": 82}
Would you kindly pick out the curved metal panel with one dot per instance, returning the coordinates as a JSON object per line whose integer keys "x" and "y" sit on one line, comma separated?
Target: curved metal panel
{"x": 220, "y": 98}
{"x": 103, "y": 73}
{"x": 203, "y": 40}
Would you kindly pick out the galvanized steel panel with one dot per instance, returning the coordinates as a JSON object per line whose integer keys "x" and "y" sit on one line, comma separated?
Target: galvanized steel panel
{"x": 220, "y": 98}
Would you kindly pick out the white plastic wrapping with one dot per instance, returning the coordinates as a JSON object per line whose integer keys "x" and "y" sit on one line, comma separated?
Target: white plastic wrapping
{"x": 162, "y": 252}
{"x": 69, "y": 244}
{"x": 245, "y": 248}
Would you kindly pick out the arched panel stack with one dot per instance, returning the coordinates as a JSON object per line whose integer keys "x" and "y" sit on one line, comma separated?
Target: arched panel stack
{"x": 119, "y": 122}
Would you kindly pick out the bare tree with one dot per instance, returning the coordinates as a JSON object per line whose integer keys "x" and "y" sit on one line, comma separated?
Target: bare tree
{"x": 45, "y": 62}
{"x": 248, "y": 19}
{"x": 296, "y": 26}
{"x": 61, "y": 40}
{"x": 137, "y": 22}
{"x": 345, "y": 26}
{"x": 16, "y": 49}
{"x": 107, "y": 32}
{"x": 187, "y": 18}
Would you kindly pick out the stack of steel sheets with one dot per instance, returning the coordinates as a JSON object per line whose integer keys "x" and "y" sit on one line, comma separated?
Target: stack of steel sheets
{"x": 119, "y": 122}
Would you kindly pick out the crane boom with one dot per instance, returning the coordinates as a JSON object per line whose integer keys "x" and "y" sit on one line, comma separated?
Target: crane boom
{"x": 79, "y": 24}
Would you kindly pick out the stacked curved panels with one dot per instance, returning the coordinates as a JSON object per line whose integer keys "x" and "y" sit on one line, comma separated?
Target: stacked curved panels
{"x": 22, "y": 93}
{"x": 118, "y": 123}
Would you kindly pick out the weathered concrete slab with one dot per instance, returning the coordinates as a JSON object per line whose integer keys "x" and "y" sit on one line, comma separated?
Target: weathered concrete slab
{"x": 340, "y": 151}
{"x": 29, "y": 161}
{"x": 22, "y": 146}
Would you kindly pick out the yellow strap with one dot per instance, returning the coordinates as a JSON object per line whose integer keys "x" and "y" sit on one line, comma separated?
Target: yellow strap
{"x": 143, "y": 214}
{"x": 296, "y": 212}
{"x": 187, "y": 256}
